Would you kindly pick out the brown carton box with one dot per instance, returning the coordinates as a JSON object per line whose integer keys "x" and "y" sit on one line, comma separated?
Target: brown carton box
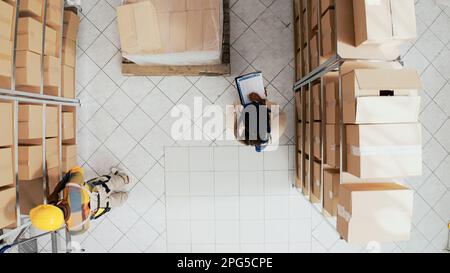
{"x": 332, "y": 102}
{"x": 31, "y": 195}
{"x": 379, "y": 212}
{"x": 384, "y": 21}
{"x": 325, "y": 5}
{"x": 68, "y": 82}
{"x": 50, "y": 42}
{"x": 51, "y": 121}
{"x": 68, "y": 125}
{"x": 7, "y": 207}
{"x": 30, "y": 162}
{"x": 54, "y": 16}
{"x": 328, "y": 34}
{"x": 30, "y": 122}
{"x": 307, "y": 139}
{"x": 69, "y": 157}
{"x": 6, "y": 124}
{"x": 377, "y": 151}
{"x": 6, "y": 21}
{"x": 5, "y": 63}
{"x": 28, "y": 69}
{"x": 6, "y": 167}
{"x": 52, "y": 72}
{"x": 375, "y": 96}
{"x": 71, "y": 25}
{"x": 33, "y": 8}
{"x": 178, "y": 21}
{"x": 316, "y": 101}
{"x": 314, "y": 14}
{"x": 52, "y": 153}
{"x": 53, "y": 178}
{"x": 317, "y": 139}
{"x": 211, "y": 29}
{"x": 194, "y": 30}
{"x": 316, "y": 181}
{"x": 29, "y": 35}
{"x": 69, "y": 52}
{"x": 332, "y": 146}
{"x": 331, "y": 182}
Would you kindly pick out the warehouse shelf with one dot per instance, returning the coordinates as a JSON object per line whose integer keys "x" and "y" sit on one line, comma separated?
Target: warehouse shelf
{"x": 311, "y": 159}
{"x": 43, "y": 97}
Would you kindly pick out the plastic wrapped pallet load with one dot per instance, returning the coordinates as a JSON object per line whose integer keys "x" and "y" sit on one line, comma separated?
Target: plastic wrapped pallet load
{"x": 171, "y": 32}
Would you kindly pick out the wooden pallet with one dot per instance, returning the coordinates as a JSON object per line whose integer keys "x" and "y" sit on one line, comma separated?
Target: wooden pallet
{"x": 131, "y": 69}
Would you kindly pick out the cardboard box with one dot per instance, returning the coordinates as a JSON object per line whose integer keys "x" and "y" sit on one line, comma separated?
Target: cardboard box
{"x": 332, "y": 145}
{"x": 325, "y": 5}
{"x": 316, "y": 181}
{"x": 54, "y": 15}
{"x": 52, "y": 71}
{"x": 71, "y": 25}
{"x": 328, "y": 34}
{"x": 194, "y": 33}
{"x": 53, "y": 178}
{"x": 52, "y": 153}
{"x": 314, "y": 14}
{"x": 68, "y": 125}
{"x": 298, "y": 105}
{"x": 6, "y": 167}
{"x": 68, "y": 82}
{"x": 69, "y": 157}
{"x": 50, "y": 42}
{"x": 307, "y": 108}
{"x": 6, "y": 21}
{"x": 381, "y": 96}
{"x": 384, "y": 150}
{"x": 306, "y": 171}
{"x": 374, "y": 212}
{"x": 314, "y": 51}
{"x": 384, "y": 21}
{"x": 31, "y": 195}
{"x": 29, "y": 36}
{"x": 5, "y": 62}
{"x": 316, "y": 101}
{"x": 331, "y": 182}
{"x": 33, "y": 8}
{"x": 6, "y": 124}
{"x": 211, "y": 30}
{"x": 28, "y": 69}
{"x": 317, "y": 140}
{"x": 69, "y": 52}
{"x": 51, "y": 121}
{"x": 332, "y": 102}
{"x": 30, "y": 162}
{"x": 30, "y": 122}
{"x": 7, "y": 207}
{"x": 138, "y": 28}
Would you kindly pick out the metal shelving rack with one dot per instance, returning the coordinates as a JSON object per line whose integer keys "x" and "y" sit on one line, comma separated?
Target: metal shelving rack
{"x": 336, "y": 65}
{"x": 20, "y": 96}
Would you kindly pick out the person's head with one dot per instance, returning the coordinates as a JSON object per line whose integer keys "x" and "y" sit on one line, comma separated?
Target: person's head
{"x": 253, "y": 125}
{"x": 47, "y": 217}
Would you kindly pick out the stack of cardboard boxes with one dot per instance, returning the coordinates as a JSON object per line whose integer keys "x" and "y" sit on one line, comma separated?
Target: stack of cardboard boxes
{"x": 6, "y": 43}
{"x": 380, "y": 115}
{"x": 31, "y": 187}
{"x": 71, "y": 26}
{"x": 52, "y": 67}
{"x": 7, "y": 169}
{"x": 171, "y": 32}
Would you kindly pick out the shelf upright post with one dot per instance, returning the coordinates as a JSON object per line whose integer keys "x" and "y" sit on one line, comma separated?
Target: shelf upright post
{"x": 16, "y": 159}
{"x": 322, "y": 138}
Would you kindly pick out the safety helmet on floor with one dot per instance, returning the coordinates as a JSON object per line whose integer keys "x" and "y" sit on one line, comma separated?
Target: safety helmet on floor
{"x": 47, "y": 218}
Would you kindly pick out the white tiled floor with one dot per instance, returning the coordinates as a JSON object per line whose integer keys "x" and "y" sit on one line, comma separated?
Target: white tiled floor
{"x": 124, "y": 121}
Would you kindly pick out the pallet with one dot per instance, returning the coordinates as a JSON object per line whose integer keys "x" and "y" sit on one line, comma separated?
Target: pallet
{"x": 131, "y": 69}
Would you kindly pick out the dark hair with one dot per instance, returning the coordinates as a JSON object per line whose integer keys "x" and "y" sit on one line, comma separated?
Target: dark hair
{"x": 256, "y": 119}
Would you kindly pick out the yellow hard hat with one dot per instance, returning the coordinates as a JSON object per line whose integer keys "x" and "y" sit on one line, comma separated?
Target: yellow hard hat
{"x": 47, "y": 218}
